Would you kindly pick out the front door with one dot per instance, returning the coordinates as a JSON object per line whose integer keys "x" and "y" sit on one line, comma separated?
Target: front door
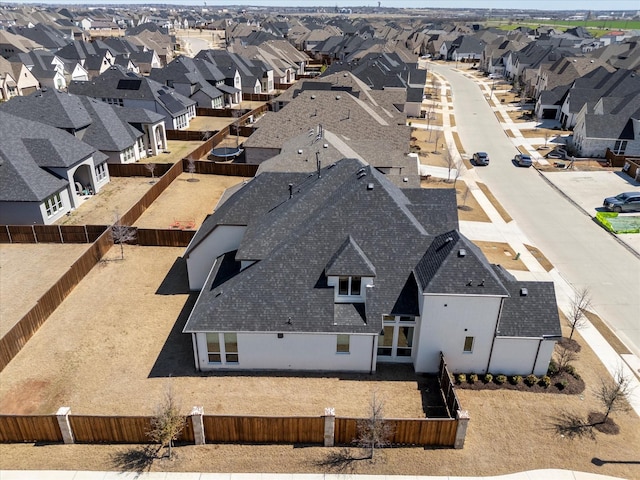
{"x": 396, "y": 340}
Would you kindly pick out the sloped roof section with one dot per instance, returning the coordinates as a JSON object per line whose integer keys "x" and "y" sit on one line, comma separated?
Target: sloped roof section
{"x": 350, "y": 260}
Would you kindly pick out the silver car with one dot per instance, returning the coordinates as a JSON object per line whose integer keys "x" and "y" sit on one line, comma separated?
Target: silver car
{"x": 523, "y": 160}
{"x": 625, "y": 202}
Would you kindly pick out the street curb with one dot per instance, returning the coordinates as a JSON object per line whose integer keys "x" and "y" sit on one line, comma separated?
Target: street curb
{"x": 575, "y": 204}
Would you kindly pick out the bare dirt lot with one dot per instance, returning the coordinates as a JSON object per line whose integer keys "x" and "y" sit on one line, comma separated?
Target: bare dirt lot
{"x": 189, "y": 197}
{"x": 23, "y": 278}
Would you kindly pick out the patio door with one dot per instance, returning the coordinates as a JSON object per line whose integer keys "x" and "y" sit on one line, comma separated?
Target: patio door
{"x": 395, "y": 343}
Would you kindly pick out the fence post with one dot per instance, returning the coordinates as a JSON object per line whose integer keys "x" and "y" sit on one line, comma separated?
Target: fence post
{"x": 461, "y": 432}
{"x": 198, "y": 425}
{"x": 329, "y": 426}
{"x": 65, "y": 427}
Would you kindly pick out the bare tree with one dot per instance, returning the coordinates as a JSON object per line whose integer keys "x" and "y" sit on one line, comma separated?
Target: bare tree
{"x": 121, "y": 234}
{"x": 546, "y": 138}
{"x": 191, "y": 168}
{"x": 580, "y": 302}
{"x": 168, "y": 422}
{"x": 438, "y": 135}
{"x": 374, "y": 432}
{"x": 613, "y": 393}
{"x": 152, "y": 168}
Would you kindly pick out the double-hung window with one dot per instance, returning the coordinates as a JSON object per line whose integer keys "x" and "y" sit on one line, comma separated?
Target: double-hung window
{"x": 222, "y": 348}
{"x": 349, "y": 286}
{"x": 53, "y": 204}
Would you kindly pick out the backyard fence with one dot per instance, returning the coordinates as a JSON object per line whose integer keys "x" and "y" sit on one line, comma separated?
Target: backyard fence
{"x": 138, "y": 169}
{"x": 185, "y": 135}
{"x": 231, "y": 169}
{"x": 447, "y": 388}
{"x": 222, "y": 429}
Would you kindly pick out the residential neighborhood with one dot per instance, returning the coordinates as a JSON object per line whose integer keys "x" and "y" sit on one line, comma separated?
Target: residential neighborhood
{"x": 295, "y": 226}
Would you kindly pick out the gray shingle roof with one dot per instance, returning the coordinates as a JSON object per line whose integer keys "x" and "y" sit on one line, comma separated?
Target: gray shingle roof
{"x": 534, "y": 314}
{"x": 27, "y": 150}
{"x": 311, "y": 227}
{"x": 349, "y": 259}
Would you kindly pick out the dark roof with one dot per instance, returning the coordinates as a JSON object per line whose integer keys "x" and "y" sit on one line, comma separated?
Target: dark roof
{"x": 530, "y": 310}
{"x": 27, "y": 150}
{"x": 349, "y": 259}
{"x": 453, "y": 265}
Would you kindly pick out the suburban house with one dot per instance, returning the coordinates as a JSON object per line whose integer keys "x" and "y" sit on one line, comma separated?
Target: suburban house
{"x": 611, "y": 122}
{"x": 339, "y": 270}
{"x": 16, "y": 79}
{"x": 10, "y": 44}
{"x": 199, "y": 80}
{"x": 371, "y": 122}
{"x": 256, "y": 76}
{"x": 123, "y": 134}
{"x": 117, "y": 87}
{"x": 44, "y": 172}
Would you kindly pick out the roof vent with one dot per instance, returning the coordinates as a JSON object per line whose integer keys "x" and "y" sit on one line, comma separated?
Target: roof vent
{"x": 524, "y": 292}
{"x": 481, "y": 284}
{"x": 369, "y": 186}
{"x": 326, "y": 145}
{"x": 300, "y": 151}
{"x": 405, "y": 179}
{"x": 448, "y": 239}
{"x": 462, "y": 252}
{"x": 337, "y": 97}
{"x": 313, "y": 97}
{"x": 470, "y": 283}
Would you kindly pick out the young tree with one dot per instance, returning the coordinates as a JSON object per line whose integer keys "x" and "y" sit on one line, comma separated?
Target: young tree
{"x": 191, "y": 168}
{"x": 580, "y": 302}
{"x": 374, "y": 432}
{"x": 152, "y": 168}
{"x": 565, "y": 357}
{"x": 168, "y": 422}
{"x": 121, "y": 234}
{"x": 613, "y": 393}
{"x": 546, "y": 138}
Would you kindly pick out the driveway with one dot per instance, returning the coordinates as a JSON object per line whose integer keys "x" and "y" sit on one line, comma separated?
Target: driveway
{"x": 583, "y": 253}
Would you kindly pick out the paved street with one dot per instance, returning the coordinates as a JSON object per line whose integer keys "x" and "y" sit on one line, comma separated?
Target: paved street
{"x": 584, "y": 254}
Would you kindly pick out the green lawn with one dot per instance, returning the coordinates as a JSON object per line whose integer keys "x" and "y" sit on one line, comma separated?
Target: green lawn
{"x": 596, "y": 27}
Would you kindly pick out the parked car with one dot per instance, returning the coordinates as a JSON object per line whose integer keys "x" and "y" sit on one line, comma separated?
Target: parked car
{"x": 625, "y": 202}
{"x": 481, "y": 158}
{"x": 523, "y": 160}
{"x": 494, "y": 76}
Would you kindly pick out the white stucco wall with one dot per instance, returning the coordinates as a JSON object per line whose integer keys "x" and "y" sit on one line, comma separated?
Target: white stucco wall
{"x": 223, "y": 239}
{"x": 445, "y": 322}
{"x": 521, "y": 356}
{"x": 294, "y": 351}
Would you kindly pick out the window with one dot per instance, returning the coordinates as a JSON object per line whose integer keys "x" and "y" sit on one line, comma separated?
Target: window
{"x": 53, "y": 204}
{"x": 349, "y": 286}
{"x": 620, "y": 147}
{"x": 385, "y": 341}
{"x": 342, "y": 345}
{"x": 101, "y": 172}
{"x": 405, "y": 341}
{"x": 395, "y": 342}
{"x": 468, "y": 344}
{"x": 231, "y": 347}
{"x": 213, "y": 348}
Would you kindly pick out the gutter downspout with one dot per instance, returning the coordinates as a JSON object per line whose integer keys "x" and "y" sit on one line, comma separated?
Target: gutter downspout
{"x": 495, "y": 333}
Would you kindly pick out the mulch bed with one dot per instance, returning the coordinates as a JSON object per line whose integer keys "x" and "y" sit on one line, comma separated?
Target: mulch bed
{"x": 573, "y": 386}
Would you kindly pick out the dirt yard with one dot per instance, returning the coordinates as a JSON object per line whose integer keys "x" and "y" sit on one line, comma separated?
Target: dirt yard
{"x": 23, "y": 280}
{"x": 189, "y": 197}
{"x": 468, "y": 207}
{"x": 509, "y": 431}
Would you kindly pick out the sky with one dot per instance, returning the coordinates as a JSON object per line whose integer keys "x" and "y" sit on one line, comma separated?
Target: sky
{"x": 580, "y": 5}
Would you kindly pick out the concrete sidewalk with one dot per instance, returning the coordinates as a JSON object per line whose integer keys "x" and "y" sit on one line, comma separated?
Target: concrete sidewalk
{"x": 86, "y": 475}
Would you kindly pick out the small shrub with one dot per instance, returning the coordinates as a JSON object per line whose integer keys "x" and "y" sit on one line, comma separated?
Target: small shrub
{"x": 531, "y": 380}
{"x": 545, "y": 381}
{"x": 562, "y": 384}
{"x": 577, "y": 376}
{"x": 500, "y": 379}
{"x": 461, "y": 378}
{"x": 553, "y": 368}
{"x": 473, "y": 378}
{"x": 516, "y": 379}
{"x": 488, "y": 378}
{"x": 570, "y": 369}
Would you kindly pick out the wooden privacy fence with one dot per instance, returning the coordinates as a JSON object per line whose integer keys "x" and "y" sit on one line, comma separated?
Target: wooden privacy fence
{"x": 51, "y": 233}
{"x": 185, "y": 135}
{"x": 163, "y": 238}
{"x": 232, "y": 169}
{"x": 24, "y": 329}
{"x": 138, "y": 169}
{"x": 221, "y": 429}
{"x": 619, "y": 160}
{"x": 219, "y": 112}
{"x": 437, "y": 432}
{"x": 447, "y": 388}
{"x": 235, "y": 429}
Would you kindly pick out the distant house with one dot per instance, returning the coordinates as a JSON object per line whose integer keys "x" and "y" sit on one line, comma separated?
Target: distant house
{"x": 117, "y": 87}
{"x": 307, "y": 271}
{"x": 123, "y": 134}
{"x": 17, "y": 80}
{"x": 44, "y": 172}
{"x": 610, "y": 123}
{"x": 256, "y": 76}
